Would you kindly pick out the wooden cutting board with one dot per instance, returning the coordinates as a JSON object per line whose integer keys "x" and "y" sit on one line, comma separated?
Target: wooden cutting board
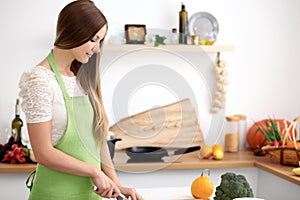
{"x": 175, "y": 126}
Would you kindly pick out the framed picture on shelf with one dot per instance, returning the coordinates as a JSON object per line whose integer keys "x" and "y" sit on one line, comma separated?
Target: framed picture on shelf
{"x": 135, "y": 33}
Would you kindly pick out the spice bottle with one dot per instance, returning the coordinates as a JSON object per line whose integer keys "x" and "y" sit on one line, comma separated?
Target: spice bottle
{"x": 232, "y": 134}
{"x": 174, "y": 37}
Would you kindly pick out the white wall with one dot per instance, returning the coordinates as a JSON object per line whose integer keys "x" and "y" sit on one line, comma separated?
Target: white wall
{"x": 263, "y": 71}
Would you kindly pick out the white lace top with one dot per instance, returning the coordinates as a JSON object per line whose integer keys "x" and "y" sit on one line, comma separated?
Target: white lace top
{"x": 42, "y": 99}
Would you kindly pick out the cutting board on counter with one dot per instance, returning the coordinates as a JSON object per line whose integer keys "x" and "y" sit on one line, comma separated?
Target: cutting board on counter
{"x": 174, "y": 126}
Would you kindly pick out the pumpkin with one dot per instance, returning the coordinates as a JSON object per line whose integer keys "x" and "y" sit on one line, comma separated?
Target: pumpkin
{"x": 202, "y": 187}
{"x": 256, "y": 139}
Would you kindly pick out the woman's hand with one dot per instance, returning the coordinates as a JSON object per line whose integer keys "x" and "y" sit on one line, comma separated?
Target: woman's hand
{"x": 130, "y": 192}
{"x": 105, "y": 187}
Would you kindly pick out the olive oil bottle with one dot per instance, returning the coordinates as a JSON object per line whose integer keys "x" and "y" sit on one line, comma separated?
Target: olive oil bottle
{"x": 17, "y": 124}
{"x": 183, "y": 25}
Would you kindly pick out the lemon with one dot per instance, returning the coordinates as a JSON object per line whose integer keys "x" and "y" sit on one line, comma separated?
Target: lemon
{"x": 218, "y": 154}
{"x": 296, "y": 171}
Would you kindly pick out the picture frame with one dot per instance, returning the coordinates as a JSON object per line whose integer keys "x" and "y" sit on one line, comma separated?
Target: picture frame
{"x": 135, "y": 33}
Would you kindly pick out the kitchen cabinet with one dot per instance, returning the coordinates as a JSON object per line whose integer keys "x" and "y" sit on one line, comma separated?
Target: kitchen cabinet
{"x": 267, "y": 177}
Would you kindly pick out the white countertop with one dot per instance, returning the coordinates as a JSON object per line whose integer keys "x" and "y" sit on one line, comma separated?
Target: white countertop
{"x": 173, "y": 193}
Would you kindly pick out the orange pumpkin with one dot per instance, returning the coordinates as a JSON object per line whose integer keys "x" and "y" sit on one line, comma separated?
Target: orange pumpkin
{"x": 256, "y": 139}
{"x": 202, "y": 187}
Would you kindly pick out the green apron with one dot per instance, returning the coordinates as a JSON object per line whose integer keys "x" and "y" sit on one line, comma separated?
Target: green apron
{"x": 78, "y": 142}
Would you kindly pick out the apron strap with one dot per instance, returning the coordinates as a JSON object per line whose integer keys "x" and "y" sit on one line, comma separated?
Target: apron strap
{"x": 57, "y": 75}
{"x": 29, "y": 181}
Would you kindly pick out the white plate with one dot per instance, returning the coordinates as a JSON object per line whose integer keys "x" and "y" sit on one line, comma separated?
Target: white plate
{"x": 206, "y": 25}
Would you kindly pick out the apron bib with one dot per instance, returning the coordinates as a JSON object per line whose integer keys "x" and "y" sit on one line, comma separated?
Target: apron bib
{"x": 78, "y": 142}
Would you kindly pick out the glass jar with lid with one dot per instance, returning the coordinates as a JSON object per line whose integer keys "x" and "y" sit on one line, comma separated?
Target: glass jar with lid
{"x": 231, "y": 134}
{"x": 242, "y": 129}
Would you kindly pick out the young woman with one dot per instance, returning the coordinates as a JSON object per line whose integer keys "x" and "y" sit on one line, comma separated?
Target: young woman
{"x": 66, "y": 120}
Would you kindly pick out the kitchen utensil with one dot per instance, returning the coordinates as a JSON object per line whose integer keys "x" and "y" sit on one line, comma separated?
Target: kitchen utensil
{"x": 121, "y": 198}
{"x": 154, "y": 154}
{"x": 111, "y": 146}
{"x": 207, "y": 27}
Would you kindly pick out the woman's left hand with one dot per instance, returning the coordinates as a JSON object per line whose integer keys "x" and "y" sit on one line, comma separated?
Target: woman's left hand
{"x": 130, "y": 192}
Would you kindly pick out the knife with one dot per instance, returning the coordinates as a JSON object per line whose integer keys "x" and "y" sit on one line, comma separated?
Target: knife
{"x": 121, "y": 198}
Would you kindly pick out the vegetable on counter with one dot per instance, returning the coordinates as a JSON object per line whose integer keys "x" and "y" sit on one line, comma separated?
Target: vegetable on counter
{"x": 14, "y": 153}
{"x": 267, "y": 131}
{"x": 233, "y": 186}
{"x": 202, "y": 187}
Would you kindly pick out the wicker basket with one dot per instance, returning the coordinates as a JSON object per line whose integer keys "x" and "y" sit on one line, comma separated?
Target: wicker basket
{"x": 286, "y": 155}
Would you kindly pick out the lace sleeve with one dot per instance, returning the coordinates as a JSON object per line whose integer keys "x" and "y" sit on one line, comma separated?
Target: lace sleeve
{"x": 36, "y": 94}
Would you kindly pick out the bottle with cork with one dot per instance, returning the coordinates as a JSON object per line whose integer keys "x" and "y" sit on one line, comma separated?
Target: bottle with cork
{"x": 183, "y": 25}
{"x": 17, "y": 124}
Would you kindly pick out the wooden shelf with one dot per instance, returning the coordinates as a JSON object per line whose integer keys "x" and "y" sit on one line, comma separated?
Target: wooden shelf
{"x": 178, "y": 48}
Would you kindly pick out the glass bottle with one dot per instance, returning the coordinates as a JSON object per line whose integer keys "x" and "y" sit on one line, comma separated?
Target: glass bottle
{"x": 16, "y": 124}
{"x": 174, "y": 36}
{"x": 183, "y": 25}
{"x": 231, "y": 134}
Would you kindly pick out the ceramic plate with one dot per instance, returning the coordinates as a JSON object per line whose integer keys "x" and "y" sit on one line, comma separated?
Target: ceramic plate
{"x": 206, "y": 25}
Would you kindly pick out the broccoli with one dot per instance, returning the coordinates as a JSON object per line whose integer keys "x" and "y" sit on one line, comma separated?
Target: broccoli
{"x": 233, "y": 186}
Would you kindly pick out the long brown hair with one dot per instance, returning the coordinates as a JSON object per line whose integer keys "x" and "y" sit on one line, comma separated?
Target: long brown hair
{"x": 77, "y": 23}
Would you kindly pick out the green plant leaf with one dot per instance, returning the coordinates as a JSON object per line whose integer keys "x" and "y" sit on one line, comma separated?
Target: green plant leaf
{"x": 159, "y": 40}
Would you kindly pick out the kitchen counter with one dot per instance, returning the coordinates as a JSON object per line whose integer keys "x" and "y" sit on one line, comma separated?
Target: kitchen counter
{"x": 188, "y": 161}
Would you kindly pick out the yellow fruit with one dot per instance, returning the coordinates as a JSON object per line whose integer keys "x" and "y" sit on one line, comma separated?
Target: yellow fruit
{"x": 202, "y": 187}
{"x": 206, "y": 151}
{"x": 218, "y": 146}
{"x": 218, "y": 154}
{"x": 296, "y": 171}
{"x": 31, "y": 156}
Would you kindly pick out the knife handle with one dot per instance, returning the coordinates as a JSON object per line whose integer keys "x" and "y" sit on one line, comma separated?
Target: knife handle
{"x": 186, "y": 150}
{"x": 120, "y": 198}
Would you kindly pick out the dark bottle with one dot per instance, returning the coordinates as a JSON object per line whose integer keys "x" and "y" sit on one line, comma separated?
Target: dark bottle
{"x": 183, "y": 25}
{"x": 16, "y": 124}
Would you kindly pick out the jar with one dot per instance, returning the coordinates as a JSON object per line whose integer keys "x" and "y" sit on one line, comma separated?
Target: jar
{"x": 242, "y": 129}
{"x": 174, "y": 37}
{"x": 196, "y": 40}
{"x": 232, "y": 134}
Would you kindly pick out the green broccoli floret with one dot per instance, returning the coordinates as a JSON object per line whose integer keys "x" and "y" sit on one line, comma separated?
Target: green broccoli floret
{"x": 233, "y": 186}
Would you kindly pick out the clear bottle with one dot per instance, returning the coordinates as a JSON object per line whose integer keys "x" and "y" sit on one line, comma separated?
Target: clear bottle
{"x": 183, "y": 25}
{"x": 16, "y": 124}
{"x": 232, "y": 134}
{"x": 174, "y": 36}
